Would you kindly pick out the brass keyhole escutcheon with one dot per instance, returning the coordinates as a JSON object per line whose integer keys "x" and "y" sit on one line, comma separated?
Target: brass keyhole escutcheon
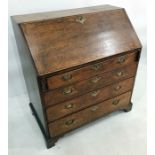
{"x": 118, "y": 88}
{"x": 95, "y": 93}
{"x": 115, "y": 102}
{"x": 121, "y": 59}
{"x": 120, "y": 73}
{"x": 67, "y": 77}
{"x": 69, "y": 122}
{"x": 95, "y": 79}
{"x": 94, "y": 108}
{"x": 68, "y": 90}
{"x": 96, "y": 66}
{"x": 69, "y": 106}
{"x": 80, "y": 19}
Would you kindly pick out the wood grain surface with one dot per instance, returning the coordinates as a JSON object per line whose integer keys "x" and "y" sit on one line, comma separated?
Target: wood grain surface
{"x": 75, "y": 120}
{"x": 65, "y": 42}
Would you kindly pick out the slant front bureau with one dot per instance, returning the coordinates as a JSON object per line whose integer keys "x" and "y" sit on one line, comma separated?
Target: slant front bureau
{"x": 79, "y": 65}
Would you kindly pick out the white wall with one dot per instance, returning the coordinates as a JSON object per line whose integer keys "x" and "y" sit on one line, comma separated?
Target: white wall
{"x": 136, "y": 10}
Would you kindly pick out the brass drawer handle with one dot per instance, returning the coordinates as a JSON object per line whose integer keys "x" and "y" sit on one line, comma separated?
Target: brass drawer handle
{"x": 95, "y": 93}
{"x": 95, "y": 79}
{"x": 94, "y": 108}
{"x": 68, "y": 90}
{"x": 115, "y": 102}
{"x": 96, "y": 66}
{"x": 121, "y": 59}
{"x": 118, "y": 88}
{"x": 67, "y": 77}
{"x": 80, "y": 19}
{"x": 69, "y": 122}
{"x": 69, "y": 106}
{"x": 120, "y": 73}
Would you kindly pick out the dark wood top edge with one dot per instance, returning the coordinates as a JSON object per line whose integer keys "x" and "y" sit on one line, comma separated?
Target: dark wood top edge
{"x": 40, "y": 76}
{"x": 61, "y": 13}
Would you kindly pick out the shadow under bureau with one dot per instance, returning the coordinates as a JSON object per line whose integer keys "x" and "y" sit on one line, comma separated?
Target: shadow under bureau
{"x": 79, "y": 65}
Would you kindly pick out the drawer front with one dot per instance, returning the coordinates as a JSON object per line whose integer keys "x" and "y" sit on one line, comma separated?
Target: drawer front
{"x": 68, "y": 107}
{"x": 98, "y": 81}
{"x": 91, "y": 70}
{"x": 76, "y": 120}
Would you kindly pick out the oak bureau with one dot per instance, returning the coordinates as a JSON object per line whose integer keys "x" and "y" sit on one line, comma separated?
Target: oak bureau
{"x": 79, "y": 65}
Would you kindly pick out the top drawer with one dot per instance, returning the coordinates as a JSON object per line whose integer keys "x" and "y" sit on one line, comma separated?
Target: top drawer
{"x": 91, "y": 70}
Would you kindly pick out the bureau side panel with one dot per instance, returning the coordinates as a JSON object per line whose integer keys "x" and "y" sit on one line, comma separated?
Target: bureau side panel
{"x": 29, "y": 72}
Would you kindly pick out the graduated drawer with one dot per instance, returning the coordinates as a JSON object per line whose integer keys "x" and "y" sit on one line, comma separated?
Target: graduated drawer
{"x": 91, "y": 70}
{"x": 87, "y": 115}
{"x": 99, "y": 95}
{"x": 79, "y": 88}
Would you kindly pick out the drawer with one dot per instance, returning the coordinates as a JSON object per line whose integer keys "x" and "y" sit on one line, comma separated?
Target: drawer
{"x": 82, "y": 87}
{"x": 81, "y": 102}
{"x": 77, "y": 119}
{"x": 91, "y": 70}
